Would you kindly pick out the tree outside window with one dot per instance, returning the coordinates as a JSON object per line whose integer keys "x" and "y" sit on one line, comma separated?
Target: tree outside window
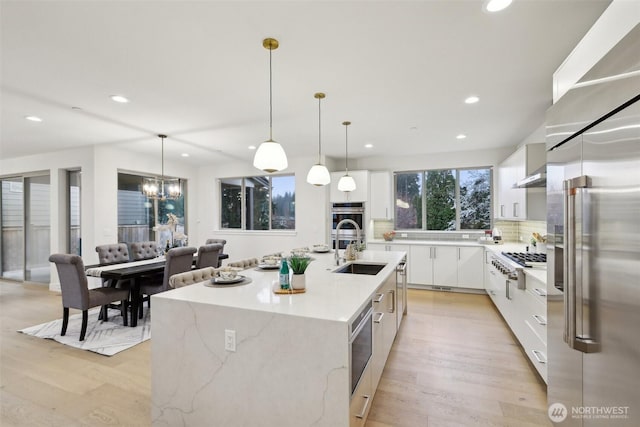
{"x": 452, "y": 199}
{"x": 258, "y": 203}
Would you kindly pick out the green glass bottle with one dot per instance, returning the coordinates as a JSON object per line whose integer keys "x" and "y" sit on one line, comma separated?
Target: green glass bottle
{"x": 284, "y": 275}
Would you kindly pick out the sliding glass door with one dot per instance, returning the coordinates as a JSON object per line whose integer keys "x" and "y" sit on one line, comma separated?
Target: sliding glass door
{"x": 12, "y": 218}
{"x": 26, "y": 228}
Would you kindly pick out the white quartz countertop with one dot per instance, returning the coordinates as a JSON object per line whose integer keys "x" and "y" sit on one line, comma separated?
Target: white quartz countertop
{"x": 328, "y": 296}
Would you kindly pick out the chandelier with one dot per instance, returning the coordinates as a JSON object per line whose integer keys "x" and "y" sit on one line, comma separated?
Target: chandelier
{"x": 162, "y": 188}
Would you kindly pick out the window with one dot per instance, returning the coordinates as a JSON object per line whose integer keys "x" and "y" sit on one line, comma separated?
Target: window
{"x": 258, "y": 203}
{"x": 451, "y": 199}
{"x": 138, "y": 216}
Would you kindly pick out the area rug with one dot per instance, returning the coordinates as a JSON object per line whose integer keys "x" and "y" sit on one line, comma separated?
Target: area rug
{"x": 106, "y": 338}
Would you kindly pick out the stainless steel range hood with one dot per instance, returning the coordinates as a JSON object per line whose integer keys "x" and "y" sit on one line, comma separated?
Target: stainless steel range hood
{"x": 537, "y": 179}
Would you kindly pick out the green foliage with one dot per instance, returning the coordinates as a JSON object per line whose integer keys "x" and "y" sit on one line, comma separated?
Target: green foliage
{"x": 441, "y": 198}
{"x": 299, "y": 264}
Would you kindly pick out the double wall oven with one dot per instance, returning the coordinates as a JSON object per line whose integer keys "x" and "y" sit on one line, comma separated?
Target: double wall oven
{"x": 348, "y": 234}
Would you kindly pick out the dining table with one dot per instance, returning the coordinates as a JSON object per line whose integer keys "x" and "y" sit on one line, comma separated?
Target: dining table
{"x": 133, "y": 271}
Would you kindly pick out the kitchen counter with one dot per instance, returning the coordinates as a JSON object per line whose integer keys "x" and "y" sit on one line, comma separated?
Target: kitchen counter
{"x": 428, "y": 242}
{"x": 291, "y": 360}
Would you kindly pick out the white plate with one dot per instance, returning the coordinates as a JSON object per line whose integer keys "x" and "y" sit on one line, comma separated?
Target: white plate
{"x": 221, "y": 281}
{"x": 321, "y": 251}
{"x": 268, "y": 266}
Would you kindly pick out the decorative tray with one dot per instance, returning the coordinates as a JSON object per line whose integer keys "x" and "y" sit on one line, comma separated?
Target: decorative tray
{"x": 277, "y": 290}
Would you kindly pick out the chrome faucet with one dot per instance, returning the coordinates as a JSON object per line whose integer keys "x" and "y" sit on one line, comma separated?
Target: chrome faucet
{"x": 338, "y": 227}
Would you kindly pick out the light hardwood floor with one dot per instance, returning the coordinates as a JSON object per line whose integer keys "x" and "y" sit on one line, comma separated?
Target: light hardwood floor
{"x": 454, "y": 363}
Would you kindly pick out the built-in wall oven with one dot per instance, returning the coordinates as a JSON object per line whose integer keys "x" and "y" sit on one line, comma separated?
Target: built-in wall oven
{"x": 360, "y": 343}
{"x": 352, "y": 211}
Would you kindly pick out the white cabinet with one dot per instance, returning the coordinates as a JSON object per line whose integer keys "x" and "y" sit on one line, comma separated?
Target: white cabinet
{"x": 361, "y": 400}
{"x": 360, "y": 194}
{"x": 381, "y": 195}
{"x": 520, "y": 203}
{"x": 450, "y": 266}
{"x": 384, "y": 327}
{"x": 470, "y": 267}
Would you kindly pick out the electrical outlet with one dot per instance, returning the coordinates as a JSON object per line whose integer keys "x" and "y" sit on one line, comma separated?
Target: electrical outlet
{"x": 465, "y": 236}
{"x": 521, "y": 239}
{"x": 403, "y": 234}
{"x": 230, "y": 340}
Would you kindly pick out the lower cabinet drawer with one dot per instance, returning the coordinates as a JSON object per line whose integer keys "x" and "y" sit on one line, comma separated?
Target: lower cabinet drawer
{"x": 535, "y": 349}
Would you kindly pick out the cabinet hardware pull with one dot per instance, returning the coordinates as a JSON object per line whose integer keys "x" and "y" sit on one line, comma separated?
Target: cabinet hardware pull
{"x": 379, "y": 298}
{"x": 540, "y": 292}
{"x": 506, "y": 283}
{"x": 364, "y": 407}
{"x": 392, "y": 307}
{"x": 539, "y": 356}
{"x": 502, "y": 211}
{"x": 541, "y": 320}
{"x": 515, "y": 209}
{"x": 379, "y": 319}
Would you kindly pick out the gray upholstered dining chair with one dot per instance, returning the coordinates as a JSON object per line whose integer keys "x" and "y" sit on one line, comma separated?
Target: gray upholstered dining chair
{"x": 76, "y": 293}
{"x": 143, "y": 250}
{"x": 178, "y": 260}
{"x": 208, "y": 255}
{"x": 220, "y": 242}
{"x": 113, "y": 253}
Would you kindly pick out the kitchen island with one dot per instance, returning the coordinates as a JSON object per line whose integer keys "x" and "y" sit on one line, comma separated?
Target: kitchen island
{"x": 291, "y": 364}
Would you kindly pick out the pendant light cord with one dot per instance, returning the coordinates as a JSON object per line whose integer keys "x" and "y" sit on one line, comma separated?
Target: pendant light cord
{"x": 346, "y": 149}
{"x": 162, "y": 157}
{"x": 270, "y": 98}
{"x": 319, "y": 132}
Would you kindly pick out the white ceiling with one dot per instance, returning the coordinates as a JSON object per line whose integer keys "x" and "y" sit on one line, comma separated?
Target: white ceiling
{"x": 197, "y": 71}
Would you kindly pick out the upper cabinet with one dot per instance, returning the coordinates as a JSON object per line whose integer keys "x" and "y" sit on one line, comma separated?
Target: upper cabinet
{"x": 520, "y": 204}
{"x": 360, "y": 194}
{"x": 381, "y": 195}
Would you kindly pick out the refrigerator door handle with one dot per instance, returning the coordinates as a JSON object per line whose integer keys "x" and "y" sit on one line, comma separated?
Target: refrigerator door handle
{"x": 571, "y": 187}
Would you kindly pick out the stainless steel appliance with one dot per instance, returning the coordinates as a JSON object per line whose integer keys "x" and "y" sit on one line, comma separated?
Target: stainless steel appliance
{"x": 360, "y": 343}
{"x": 348, "y": 233}
{"x": 593, "y": 202}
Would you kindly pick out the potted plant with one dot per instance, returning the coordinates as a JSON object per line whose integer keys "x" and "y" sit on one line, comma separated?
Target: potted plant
{"x": 298, "y": 266}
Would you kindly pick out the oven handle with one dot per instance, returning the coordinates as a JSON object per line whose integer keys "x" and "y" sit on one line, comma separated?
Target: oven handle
{"x": 361, "y": 325}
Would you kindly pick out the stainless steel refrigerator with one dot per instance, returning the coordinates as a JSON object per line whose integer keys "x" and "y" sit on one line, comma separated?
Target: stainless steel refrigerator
{"x": 593, "y": 225}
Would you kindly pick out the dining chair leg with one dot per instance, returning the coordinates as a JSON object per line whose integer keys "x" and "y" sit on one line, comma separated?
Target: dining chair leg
{"x": 123, "y": 312}
{"x": 65, "y": 320}
{"x": 83, "y": 331}
{"x": 141, "y": 308}
{"x": 105, "y": 310}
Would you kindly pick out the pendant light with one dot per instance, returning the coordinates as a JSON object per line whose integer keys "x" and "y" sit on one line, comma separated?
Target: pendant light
{"x": 346, "y": 183}
{"x": 161, "y": 188}
{"x": 270, "y": 156}
{"x": 319, "y": 174}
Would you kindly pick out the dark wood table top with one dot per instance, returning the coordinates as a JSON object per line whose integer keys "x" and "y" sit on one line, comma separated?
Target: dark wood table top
{"x": 131, "y": 272}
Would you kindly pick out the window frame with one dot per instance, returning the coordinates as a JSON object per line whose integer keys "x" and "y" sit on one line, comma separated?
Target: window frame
{"x": 243, "y": 205}
{"x": 457, "y": 203}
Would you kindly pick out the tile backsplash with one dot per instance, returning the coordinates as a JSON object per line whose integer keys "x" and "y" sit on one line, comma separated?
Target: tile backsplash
{"x": 512, "y": 231}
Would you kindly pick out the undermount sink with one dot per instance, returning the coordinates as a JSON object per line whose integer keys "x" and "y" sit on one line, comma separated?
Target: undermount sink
{"x": 360, "y": 268}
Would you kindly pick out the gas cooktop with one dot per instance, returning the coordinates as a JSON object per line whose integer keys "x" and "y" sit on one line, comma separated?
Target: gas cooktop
{"x": 525, "y": 258}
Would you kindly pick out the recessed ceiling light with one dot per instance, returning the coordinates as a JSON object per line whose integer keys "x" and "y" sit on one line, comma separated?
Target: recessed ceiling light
{"x": 119, "y": 98}
{"x": 185, "y": 154}
{"x": 471, "y": 99}
{"x": 251, "y": 147}
{"x": 461, "y": 136}
{"x": 368, "y": 145}
{"x": 33, "y": 118}
{"x": 497, "y": 5}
